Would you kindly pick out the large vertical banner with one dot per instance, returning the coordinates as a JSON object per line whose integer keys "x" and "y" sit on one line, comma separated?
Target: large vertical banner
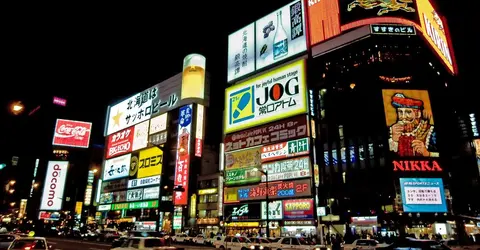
{"x": 54, "y": 185}
{"x": 183, "y": 154}
{"x": 409, "y": 116}
{"x": 199, "y": 130}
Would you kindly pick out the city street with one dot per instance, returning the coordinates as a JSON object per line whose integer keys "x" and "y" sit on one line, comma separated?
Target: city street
{"x": 67, "y": 244}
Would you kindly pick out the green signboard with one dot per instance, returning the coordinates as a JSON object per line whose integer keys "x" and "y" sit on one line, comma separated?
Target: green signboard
{"x": 135, "y": 205}
{"x": 242, "y": 176}
{"x": 298, "y": 146}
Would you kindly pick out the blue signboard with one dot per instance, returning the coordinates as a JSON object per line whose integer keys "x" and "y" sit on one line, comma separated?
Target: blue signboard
{"x": 423, "y": 195}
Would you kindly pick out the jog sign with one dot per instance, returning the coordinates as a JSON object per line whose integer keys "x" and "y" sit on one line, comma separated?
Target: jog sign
{"x": 285, "y": 150}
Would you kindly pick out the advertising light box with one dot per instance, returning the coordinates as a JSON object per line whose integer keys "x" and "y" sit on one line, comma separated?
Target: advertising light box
{"x": 151, "y": 193}
{"x": 284, "y": 189}
{"x": 109, "y": 186}
{"x": 272, "y": 96}
{"x": 54, "y": 186}
{"x": 183, "y": 153}
{"x": 275, "y": 210}
{"x": 298, "y": 209}
{"x": 150, "y": 162}
{"x": 287, "y": 129}
{"x": 72, "y": 133}
{"x": 243, "y": 158}
{"x": 158, "y": 124}
{"x": 140, "y": 137}
{"x": 285, "y": 150}
{"x": 117, "y": 167}
{"x": 423, "y": 195}
{"x": 240, "y": 176}
{"x": 273, "y": 38}
{"x": 243, "y": 212}
{"x": 147, "y": 181}
{"x": 135, "y": 194}
{"x": 120, "y": 142}
{"x": 287, "y": 169}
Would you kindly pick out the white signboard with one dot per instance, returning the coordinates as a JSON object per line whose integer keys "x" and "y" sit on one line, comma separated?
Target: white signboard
{"x": 275, "y": 210}
{"x": 151, "y": 193}
{"x": 54, "y": 185}
{"x": 417, "y": 195}
{"x": 140, "y": 138}
{"x": 147, "y": 181}
{"x": 135, "y": 195}
{"x": 287, "y": 169}
{"x": 281, "y": 34}
{"x": 104, "y": 207}
{"x": 117, "y": 167}
{"x": 158, "y": 123}
{"x": 278, "y": 36}
{"x": 277, "y": 94}
{"x": 241, "y": 52}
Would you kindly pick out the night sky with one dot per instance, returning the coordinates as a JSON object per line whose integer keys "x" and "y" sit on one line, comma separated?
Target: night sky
{"x": 95, "y": 55}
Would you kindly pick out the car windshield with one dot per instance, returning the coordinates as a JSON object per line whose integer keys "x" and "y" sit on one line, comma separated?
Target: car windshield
{"x": 32, "y": 243}
{"x": 6, "y": 238}
{"x": 304, "y": 241}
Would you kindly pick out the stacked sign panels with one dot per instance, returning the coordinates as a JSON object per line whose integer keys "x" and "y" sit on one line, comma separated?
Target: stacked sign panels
{"x": 266, "y": 126}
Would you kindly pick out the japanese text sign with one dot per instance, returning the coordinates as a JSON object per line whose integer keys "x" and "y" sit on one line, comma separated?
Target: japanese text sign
{"x": 120, "y": 142}
{"x": 275, "y": 210}
{"x": 140, "y": 137}
{"x": 117, "y": 167}
{"x": 150, "y": 162}
{"x": 241, "y": 176}
{"x": 183, "y": 154}
{"x": 250, "y": 157}
{"x": 109, "y": 186}
{"x": 288, "y": 129}
{"x": 285, "y": 150}
{"x": 284, "y": 189}
{"x": 147, "y": 181}
{"x": 277, "y": 94}
{"x": 72, "y": 133}
{"x": 287, "y": 169}
{"x": 392, "y": 29}
{"x": 423, "y": 195}
{"x": 158, "y": 124}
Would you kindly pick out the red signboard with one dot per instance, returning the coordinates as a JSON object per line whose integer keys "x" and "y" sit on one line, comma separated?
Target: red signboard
{"x": 287, "y": 129}
{"x": 298, "y": 209}
{"x": 72, "y": 133}
{"x": 281, "y": 189}
{"x": 198, "y": 147}
{"x": 120, "y": 143}
{"x": 183, "y": 155}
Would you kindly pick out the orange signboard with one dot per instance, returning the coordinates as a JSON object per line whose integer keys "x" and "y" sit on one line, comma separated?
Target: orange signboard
{"x": 433, "y": 30}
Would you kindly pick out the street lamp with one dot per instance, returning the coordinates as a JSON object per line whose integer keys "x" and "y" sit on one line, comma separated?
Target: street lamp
{"x": 12, "y": 182}
{"x": 266, "y": 198}
{"x": 11, "y": 191}
{"x": 16, "y": 107}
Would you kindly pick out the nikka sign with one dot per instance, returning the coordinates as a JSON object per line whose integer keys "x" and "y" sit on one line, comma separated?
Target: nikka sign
{"x": 72, "y": 133}
{"x": 421, "y": 166}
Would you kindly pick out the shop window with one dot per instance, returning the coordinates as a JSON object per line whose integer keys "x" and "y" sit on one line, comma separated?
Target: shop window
{"x": 202, "y": 213}
{"x": 213, "y": 213}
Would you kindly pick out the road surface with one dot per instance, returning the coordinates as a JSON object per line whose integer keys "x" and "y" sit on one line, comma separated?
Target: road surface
{"x": 68, "y": 244}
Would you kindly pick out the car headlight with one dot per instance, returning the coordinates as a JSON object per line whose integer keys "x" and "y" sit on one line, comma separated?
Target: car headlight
{"x": 317, "y": 248}
{"x": 252, "y": 247}
{"x": 261, "y": 247}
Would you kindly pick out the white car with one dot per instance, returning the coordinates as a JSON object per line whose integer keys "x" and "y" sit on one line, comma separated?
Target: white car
{"x": 183, "y": 238}
{"x": 146, "y": 243}
{"x": 455, "y": 245}
{"x": 30, "y": 243}
{"x": 364, "y": 244}
{"x": 234, "y": 243}
{"x": 297, "y": 243}
{"x": 199, "y": 239}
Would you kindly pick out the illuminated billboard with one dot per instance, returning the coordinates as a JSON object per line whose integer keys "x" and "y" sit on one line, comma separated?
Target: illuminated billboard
{"x": 120, "y": 142}
{"x": 433, "y": 30}
{"x": 287, "y": 169}
{"x": 193, "y": 77}
{"x": 298, "y": 209}
{"x": 183, "y": 154}
{"x": 158, "y": 124}
{"x": 199, "y": 123}
{"x": 72, "y": 133}
{"x": 283, "y": 189}
{"x": 140, "y": 137}
{"x": 117, "y": 167}
{"x": 285, "y": 150}
{"x": 243, "y": 212}
{"x": 245, "y": 158}
{"x": 150, "y": 162}
{"x": 277, "y": 94}
{"x": 423, "y": 195}
{"x": 54, "y": 186}
{"x": 409, "y": 117}
{"x": 287, "y": 129}
{"x": 242, "y": 176}
{"x": 273, "y": 38}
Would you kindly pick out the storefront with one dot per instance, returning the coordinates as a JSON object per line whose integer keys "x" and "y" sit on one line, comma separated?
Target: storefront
{"x": 298, "y": 228}
{"x": 207, "y": 226}
{"x": 364, "y": 225}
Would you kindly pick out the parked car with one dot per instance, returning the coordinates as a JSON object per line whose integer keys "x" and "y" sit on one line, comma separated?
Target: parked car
{"x": 145, "y": 243}
{"x": 182, "y": 238}
{"x": 23, "y": 243}
{"x": 6, "y": 239}
{"x": 234, "y": 243}
{"x": 199, "y": 239}
{"x": 295, "y": 243}
{"x": 364, "y": 244}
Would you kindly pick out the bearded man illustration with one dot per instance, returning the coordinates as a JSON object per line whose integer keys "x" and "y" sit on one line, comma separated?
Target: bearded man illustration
{"x": 412, "y": 134}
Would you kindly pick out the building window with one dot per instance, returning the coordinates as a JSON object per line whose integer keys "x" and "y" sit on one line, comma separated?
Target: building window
{"x": 212, "y": 198}
{"x": 202, "y": 198}
{"x": 215, "y": 183}
{"x": 202, "y": 213}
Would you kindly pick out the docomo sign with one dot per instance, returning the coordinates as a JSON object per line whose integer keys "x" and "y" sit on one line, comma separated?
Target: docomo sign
{"x": 54, "y": 185}
{"x": 72, "y": 133}
{"x": 269, "y": 97}
{"x": 288, "y": 129}
{"x": 120, "y": 143}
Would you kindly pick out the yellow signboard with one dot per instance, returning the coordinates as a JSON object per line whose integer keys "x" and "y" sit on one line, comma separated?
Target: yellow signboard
{"x": 247, "y": 158}
{"x": 150, "y": 162}
{"x": 433, "y": 30}
{"x": 277, "y": 94}
{"x": 207, "y": 191}
{"x": 242, "y": 224}
{"x": 193, "y": 77}
{"x": 78, "y": 207}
